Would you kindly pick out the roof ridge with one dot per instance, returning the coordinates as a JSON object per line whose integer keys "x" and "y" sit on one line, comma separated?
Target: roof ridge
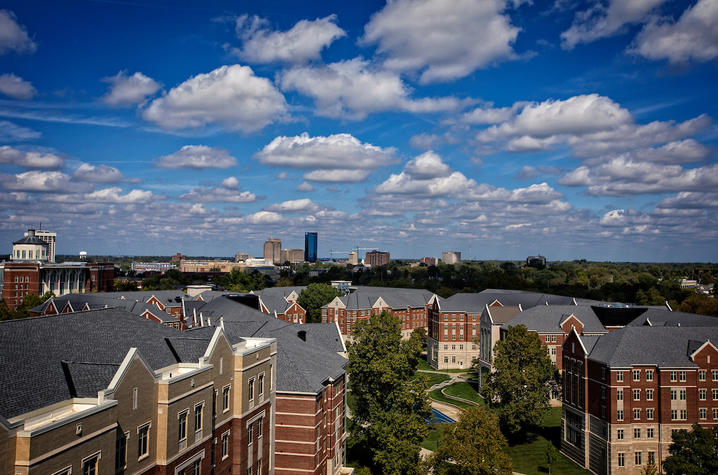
{"x": 59, "y": 314}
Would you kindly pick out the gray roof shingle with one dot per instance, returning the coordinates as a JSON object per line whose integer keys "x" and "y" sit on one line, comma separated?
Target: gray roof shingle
{"x": 547, "y": 318}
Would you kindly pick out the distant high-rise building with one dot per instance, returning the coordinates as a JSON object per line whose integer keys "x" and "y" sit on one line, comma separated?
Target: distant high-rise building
{"x": 430, "y": 261}
{"x": 49, "y": 237}
{"x": 310, "y": 247}
{"x": 377, "y": 258}
{"x": 292, "y": 255}
{"x": 242, "y": 256}
{"x": 451, "y": 257}
{"x": 273, "y": 250}
{"x": 353, "y": 258}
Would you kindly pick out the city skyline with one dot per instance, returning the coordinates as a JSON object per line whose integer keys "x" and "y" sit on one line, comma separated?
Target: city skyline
{"x": 501, "y": 129}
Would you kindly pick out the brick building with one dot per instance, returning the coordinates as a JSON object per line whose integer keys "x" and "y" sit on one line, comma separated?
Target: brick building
{"x": 282, "y": 303}
{"x": 625, "y": 392}
{"x": 30, "y": 271}
{"x": 206, "y": 400}
{"x": 377, "y": 258}
{"x": 409, "y": 305}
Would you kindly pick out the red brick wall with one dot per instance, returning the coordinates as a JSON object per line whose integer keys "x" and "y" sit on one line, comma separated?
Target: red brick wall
{"x": 240, "y": 441}
{"x": 13, "y": 297}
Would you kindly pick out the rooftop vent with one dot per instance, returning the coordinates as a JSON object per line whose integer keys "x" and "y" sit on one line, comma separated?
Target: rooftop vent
{"x": 302, "y": 334}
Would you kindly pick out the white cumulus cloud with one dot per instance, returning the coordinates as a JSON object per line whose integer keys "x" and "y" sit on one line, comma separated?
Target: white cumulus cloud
{"x": 37, "y": 181}
{"x": 301, "y": 43}
{"x": 230, "y": 96}
{"x": 10, "y": 132}
{"x": 354, "y": 88}
{"x": 197, "y": 157}
{"x": 694, "y": 37}
{"x": 98, "y": 173}
{"x": 228, "y": 191}
{"x": 602, "y": 21}
{"x": 13, "y": 156}
{"x": 442, "y": 39}
{"x": 129, "y": 90}
{"x": 14, "y": 37}
{"x": 16, "y": 87}
{"x": 114, "y": 195}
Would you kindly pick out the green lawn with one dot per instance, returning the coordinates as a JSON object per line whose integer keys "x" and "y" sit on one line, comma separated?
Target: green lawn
{"x": 530, "y": 457}
{"x": 437, "y": 396}
{"x": 424, "y": 365}
{"x": 464, "y": 390}
{"x": 432, "y": 440}
{"x": 434, "y": 378}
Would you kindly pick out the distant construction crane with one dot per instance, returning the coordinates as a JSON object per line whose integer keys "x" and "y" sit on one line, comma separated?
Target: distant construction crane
{"x": 355, "y": 249}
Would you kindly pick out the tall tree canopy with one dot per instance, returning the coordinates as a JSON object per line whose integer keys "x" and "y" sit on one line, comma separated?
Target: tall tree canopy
{"x": 694, "y": 452}
{"x": 314, "y": 297}
{"x": 391, "y": 405}
{"x": 520, "y": 388}
{"x": 472, "y": 446}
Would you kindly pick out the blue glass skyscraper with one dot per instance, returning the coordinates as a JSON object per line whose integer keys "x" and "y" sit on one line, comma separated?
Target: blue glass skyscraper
{"x": 310, "y": 247}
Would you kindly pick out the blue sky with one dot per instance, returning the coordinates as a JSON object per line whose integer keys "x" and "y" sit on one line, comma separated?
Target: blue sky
{"x": 498, "y": 128}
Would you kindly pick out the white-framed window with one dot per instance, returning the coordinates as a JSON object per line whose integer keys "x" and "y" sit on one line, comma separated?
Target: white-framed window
{"x": 649, "y": 394}
{"x": 701, "y": 375}
{"x": 260, "y": 386}
{"x": 636, "y": 374}
{"x": 66, "y": 470}
{"x": 90, "y": 464}
{"x": 703, "y": 413}
{"x": 250, "y": 391}
{"x": 225, "y": 398}
{"x": 621, "y": 459}
{"x": 182, "y": 428}
{"x": 636, "y": 413}
{"x": 143, "y": 440}
{"x": 121, "y": 451}
{"x": 702, "y": 392}
{"x": 135, "y": 395}
{"x": 684, "y": 414}
{"x": 225, "y": 445}
{"x": 636, "y": 394}
{"x": 198, "y": 419}
{"x": 674, "y": 376}
{"x": 259, "y": 427}
{"x": 619, "y": 394}
{"x": 250, "y": 434}
{"x": 636, "y": 433}
{"x": 649, "y": 433}
{"x": 714, "y": 394}
{"x": 619, "y": 414}
{"x": 715, "y": 413}
{"x": 619, "y": 376}
{"x": 682, "y": 376}
{"x": 674, "y": 414}
{"x": 619, "y": 434}
{"x": 649, "y": 375}
{"x": 638, "y": 458}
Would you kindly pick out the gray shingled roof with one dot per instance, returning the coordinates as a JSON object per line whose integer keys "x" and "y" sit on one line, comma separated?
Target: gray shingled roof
{"x": 274, "y": 298}
{"x": 547, "y": 318}
{"x": 664, "y": 346}
{"x": 503, "y": 314}
{"x": 32, "y": 352}
{"x": 474, "y": 302}
{"x": 658, "y": 317}
{"x": 363, "y": 297}
{"x": 302, "y": 365}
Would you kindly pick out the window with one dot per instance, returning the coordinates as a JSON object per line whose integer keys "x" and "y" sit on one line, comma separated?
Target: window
{"x": 221, "y": 365}
{"x": 143, "y": 440}
{"x": 714, "y": 374}
{"x": 638, "y": 458}
{"x": 714, "y": 393}
{"x": 259, "y": 466}
{"x": 636, "y": 394}
{"x": 89, "y": 465}
{"x": 649, "y": 394}
{"x": 715, "y": 413}
{"x": 649, "y": 433}
{"x": 636, "y": 374}
{"x": 250, "y": 433}
{"x": 674, "y": 394}
{"x": 619, "y": 415}
{"x": 619, "y": 394}
{"x": 703, "y": 413}
{"x": 651, "y": 458}
{"x": 636, "y": 413}
{"x": 702, "y": 394}
{"x": 182, "y": 426}
{"x": 225, "y": 399}
{"x": 636, "y": 433}
{"x": 674, "y": 376}
{"x": 134, "y": 398}
{"x": 682, "y": 376}
{"x": 619, "y": 376}
{"x": 198, "y": 417}
{"x": 446, "y": 359}
{"x": 603, "y": 373}
{"x": 649, "y": 375}
{"x": 64, "y": 471}
{"x": 674, "y": 414}
{"x": 621, "y": 459}
{"x": 225, "y": 445}
{"x": 446, "y": 347}
{"x": 649, "y": 413}
{"x": 619, "y": 434}
{"x": 259, "y": 427}
{"x": 701, "y": 375}
{"x": 553, "y": 350}
{"x": 682, "y": 394}
{"x": 684, "y": 414}
{"x": 121, "y": 451}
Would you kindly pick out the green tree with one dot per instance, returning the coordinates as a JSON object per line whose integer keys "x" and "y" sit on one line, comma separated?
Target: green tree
{"x": 649, "y": 469}
{"x": 551, "y": 455}
{"x": 520, "y": 388}
{"x": 314, "y": 297}
{"x": 472, "y": 446}
{"x": 694, "y": 452}
{"x": 391, "y": 406}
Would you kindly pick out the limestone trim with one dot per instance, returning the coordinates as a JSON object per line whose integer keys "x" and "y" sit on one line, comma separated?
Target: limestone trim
{"x": 52, "y": 453}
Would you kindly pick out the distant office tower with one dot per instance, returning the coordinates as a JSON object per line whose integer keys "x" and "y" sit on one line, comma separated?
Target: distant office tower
{"x": 353, "y": 258}
{"x": 292, "y": 256}
{"x": 377, "y": 258}
{"x": 430, "y": 261}
{"x": 273, "y": 250}
{"x": 49, "y": 237}
{"x": 451, "y": 257}
{"x": 310, "y": 247}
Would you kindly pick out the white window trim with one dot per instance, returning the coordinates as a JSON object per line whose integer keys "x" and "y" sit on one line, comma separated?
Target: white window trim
{"x": 198, "y": 456}
{"x": 97, "y": 454}
{"x": 149, "y": 441}
{"x": 229, "y": 398}
{"x": 225, "y": 434}
{"x": 201, "y": 427}
{"x": 127, "y": 440}
{"x": 64, "y": 471}
{"x": 184, "y": 411}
